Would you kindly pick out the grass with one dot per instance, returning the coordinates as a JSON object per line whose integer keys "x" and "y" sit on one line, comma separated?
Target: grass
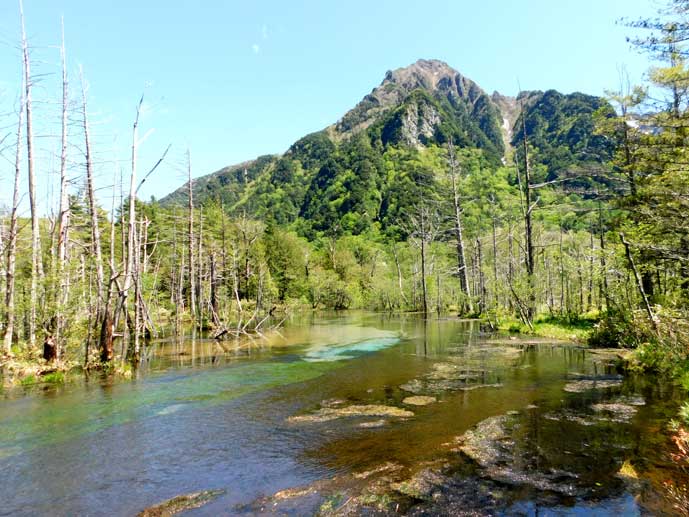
{"x": 576, "y": 329}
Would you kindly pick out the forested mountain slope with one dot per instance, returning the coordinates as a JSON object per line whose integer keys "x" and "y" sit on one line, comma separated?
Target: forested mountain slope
{"x": 381, "y": 156}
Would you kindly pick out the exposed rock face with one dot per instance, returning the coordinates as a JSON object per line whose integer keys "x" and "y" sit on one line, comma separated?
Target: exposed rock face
{"x": 420, "y": 122}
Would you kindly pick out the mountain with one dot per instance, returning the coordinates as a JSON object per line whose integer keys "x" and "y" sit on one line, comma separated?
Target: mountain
{"x": 386, "y": 153}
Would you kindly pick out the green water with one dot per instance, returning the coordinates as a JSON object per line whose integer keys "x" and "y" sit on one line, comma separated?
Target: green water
{"x": 201, "y": 416}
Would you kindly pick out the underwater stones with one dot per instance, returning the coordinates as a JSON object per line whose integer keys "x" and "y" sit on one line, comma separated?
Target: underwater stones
{"x": 446, "y": 371}
{"x": 413, "y": 386}
{"x": 439, "y": 385}
{"x": 610, "y": 354}
{"x": 449, "y": 377}
{"x": 483, "y": 442}
{"x": 181, "y": 503}
{"x": 327, "y": 414}
{"x": 332, "y": 402}
{"x": 618, "y": 412}
{"x": 421, "y": 485}
{"x": 540, "y": 481}
{"x": 419, "y": 400}
{"x": 386, "y": 467}
{"x": 566, "y": 416}
{"x": 471, "y": 387}
{"x": 373, "y": 424}
{"x": 591, "y": 384}
{"x": 490, "y": 445}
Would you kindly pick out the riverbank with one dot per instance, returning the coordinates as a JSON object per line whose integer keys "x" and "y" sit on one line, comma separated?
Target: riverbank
{"x": 577, "y": 330}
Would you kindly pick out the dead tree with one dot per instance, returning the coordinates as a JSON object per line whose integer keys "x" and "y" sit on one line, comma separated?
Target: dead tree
{"x": 12, "y": 239}
{"x": 64, "y": 211}
{"x": 423, "y": 231}
{"x": 36, "y": 258}
{"x": 131, "y": 232}
{"x": 528, "y": 205}
{"x": 192, "y": 271}
{"x": 461, "y": 257}
{"x": 639, "y": 284}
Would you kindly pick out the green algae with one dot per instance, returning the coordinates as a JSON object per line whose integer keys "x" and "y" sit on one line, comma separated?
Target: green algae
{"x": 30, "y": 423}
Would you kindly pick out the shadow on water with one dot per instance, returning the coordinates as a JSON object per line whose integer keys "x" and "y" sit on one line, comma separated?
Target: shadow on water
{"x": 237, "y": 417}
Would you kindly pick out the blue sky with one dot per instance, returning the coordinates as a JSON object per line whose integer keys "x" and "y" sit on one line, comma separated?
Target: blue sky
{"x": 233, "y": 80}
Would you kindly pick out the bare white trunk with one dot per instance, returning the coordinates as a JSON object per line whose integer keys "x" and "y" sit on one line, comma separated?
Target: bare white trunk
{"x": 461, "y": 256}
{"x": 192, "y": 271}
{"x": 64, "y": 212}
{"x": 36, "y": 264}
{"x": 12, "y": 240}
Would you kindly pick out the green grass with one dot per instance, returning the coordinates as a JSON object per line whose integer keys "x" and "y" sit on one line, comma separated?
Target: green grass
{"x": 562, "y": 328}
{"x": 28, "y": 380}
{"x": 54, "y": 378}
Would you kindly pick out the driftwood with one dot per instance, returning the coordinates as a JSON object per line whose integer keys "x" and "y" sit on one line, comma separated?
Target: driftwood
{"x": 243, "y": 329}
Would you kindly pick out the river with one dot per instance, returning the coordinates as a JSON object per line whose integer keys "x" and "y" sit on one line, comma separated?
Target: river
{"x": 321, "y": 404}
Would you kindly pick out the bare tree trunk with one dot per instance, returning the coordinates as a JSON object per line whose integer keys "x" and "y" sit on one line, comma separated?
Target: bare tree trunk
{"x": 496, "y": 300}
{"x": 12, "y": 240}
{"x": 93, "y": 208}
{"x": 461, "y": 258}
{"x": 424, "y": 288}
{"x": 214, "y": 290}
{"x": 107, "y": 324}
{"x": 399, "y": 273}
{"x": 562, "y": 277}
{"x": 548, "y": 284}
{"x": 639, "y": 284}
{"x": 137, "y": 290}
{"x": 64, "y": 213}
{"x": 192, "y": 270}
{"x": 528, "y": 208}
{"x": 36, "y": 259}
{"x": 131, "y": 224}
{"x": 481, "y": 277}
{"x": 199, "y": 271}
{"x": 589, "y": 300}
{"x": 604, "y": 274}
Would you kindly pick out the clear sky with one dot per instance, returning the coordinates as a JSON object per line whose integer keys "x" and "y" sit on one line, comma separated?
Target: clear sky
{"x": 232, "y": 80}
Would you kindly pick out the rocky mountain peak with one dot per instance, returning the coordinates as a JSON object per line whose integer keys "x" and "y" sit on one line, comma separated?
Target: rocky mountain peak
{"x": 431, "y": 75}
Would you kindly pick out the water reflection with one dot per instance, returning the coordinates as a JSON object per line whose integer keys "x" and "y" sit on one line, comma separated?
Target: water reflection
{"x": 202, "y": 414}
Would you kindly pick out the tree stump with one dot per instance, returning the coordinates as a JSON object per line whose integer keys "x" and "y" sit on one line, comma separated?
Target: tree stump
{"x": 49, "y": 349}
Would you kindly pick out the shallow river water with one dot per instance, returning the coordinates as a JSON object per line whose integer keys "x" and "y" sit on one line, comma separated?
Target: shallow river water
{"x": 322, "y": 405}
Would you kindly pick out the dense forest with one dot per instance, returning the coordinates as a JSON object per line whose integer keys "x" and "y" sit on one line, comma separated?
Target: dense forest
{"x": 429, "y": 196}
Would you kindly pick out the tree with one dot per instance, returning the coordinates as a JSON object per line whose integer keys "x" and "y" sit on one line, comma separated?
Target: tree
{"x": 462, "y": 269}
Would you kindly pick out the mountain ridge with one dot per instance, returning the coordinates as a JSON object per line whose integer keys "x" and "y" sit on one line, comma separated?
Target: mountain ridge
{"x": 347, "y": 175}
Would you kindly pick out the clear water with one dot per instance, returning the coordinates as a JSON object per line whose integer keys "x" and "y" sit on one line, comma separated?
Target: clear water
{"x": 201, "y": 416}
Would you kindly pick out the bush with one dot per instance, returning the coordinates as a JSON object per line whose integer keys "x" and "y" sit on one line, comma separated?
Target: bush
{"x": 618, "y": 329}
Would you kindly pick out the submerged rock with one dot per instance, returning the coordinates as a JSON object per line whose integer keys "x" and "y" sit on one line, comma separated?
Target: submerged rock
{"x": 567, "y": 416}
{"x": 181, "y": 503}
{"x": 619, "y": 412}
{"x": 419, "y": 400}
{"x": 591, "y": 384}
{"x": 450, "y": 377}
{"x": 330, "y": 413}
{"x": 421, "y": 485}
{"x": 484, "y": 443}
{"x": 491, "y": 446}
{"x": 413, "y": 386}
{"x": 373, "y": 424}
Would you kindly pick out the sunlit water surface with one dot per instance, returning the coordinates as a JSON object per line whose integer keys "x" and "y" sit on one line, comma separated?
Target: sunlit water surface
{"x": 201, "y": 415}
